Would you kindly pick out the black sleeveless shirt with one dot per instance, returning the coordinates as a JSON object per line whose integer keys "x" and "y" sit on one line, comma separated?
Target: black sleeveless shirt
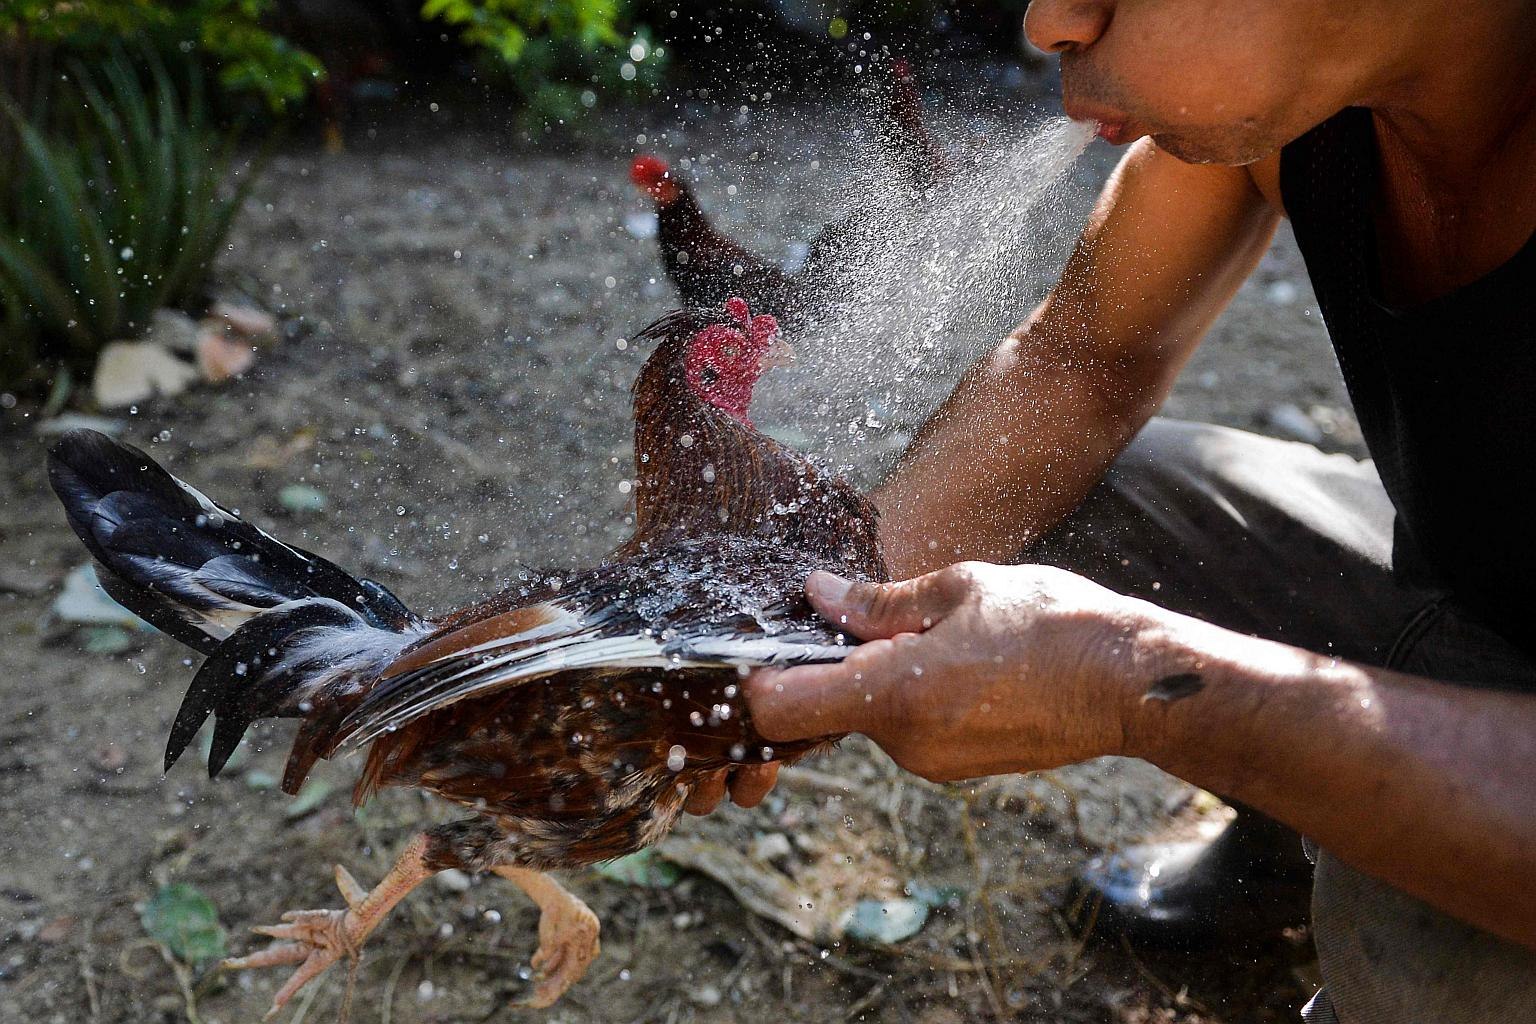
{"x": 1445, "y": 391}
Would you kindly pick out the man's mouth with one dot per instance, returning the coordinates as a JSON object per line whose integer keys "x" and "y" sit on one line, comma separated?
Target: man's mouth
{"x": 1112, "y": 132}
{"x": 1112, "y": 126}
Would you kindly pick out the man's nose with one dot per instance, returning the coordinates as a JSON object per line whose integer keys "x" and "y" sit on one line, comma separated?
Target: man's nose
{"x": 1058, "y": 25}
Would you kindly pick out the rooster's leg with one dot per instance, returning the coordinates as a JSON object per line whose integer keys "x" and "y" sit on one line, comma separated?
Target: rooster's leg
{"x": 567, "y": 934}
{"x": 315, "y": 939}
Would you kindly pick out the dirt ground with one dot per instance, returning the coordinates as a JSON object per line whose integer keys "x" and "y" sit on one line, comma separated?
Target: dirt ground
{"x": 452, "y": 386}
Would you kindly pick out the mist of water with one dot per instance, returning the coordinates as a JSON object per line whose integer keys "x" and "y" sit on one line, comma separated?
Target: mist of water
{"x": 927, "y": 282}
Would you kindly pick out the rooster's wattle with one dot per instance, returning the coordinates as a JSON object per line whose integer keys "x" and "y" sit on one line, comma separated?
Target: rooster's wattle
{"x": 571, "y": 719}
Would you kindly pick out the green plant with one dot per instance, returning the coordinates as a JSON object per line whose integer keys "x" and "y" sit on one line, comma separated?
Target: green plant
{"x": 557, "y": 55}
{"x": 505, "y": 26}
{"x": 228, "y": 34}
{"x": 117, "y": 208}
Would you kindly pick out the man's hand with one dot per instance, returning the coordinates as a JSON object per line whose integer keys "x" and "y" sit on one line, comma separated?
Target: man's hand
{"x": 747, "y": 786}
{"x": 972, "y": 670}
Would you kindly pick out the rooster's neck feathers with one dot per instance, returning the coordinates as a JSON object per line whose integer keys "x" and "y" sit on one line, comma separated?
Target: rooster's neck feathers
{"x": 700, "y": 471}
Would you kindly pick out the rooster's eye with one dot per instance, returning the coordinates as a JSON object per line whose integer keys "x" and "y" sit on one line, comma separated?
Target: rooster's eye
{"x": 729, "y": 351}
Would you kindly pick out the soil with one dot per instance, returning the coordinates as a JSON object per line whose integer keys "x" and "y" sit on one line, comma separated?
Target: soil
{"x": 450, "y": 381}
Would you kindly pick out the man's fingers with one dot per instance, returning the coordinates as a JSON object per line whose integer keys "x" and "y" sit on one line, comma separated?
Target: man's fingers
{"x": 707, "y": 793}
{"x": 751, "y": 782}
{"x": 748, "y": 785}
{"x": 873, "y": 610}
{"x": 822, "y": 700}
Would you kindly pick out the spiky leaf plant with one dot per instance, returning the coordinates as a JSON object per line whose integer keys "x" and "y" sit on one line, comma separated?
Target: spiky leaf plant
{"x": 119, "y": 204}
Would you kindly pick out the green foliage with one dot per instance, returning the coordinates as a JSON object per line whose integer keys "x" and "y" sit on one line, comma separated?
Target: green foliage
{"x": 186, "y": 922}
{"x": 504, "y": 26}
{"x": 227, "y": 33}
{"x": 558, "y": 55}
{"x": 115, "y": 208}
{"x": 547, "y": 51}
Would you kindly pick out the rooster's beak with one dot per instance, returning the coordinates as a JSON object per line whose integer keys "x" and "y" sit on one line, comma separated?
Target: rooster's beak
{"x": 779, "y": 353}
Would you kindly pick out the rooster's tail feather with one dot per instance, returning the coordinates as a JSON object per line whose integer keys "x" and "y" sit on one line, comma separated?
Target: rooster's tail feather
{"x": 285, "y": 630}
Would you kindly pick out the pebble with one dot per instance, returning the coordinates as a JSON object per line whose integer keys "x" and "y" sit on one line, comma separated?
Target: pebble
{"x": 708, "y": 995}
{"x": 1290, "y": 421}
{"x": 771, "y": 846}
{"x": 453, "y": 880}
{"x": 1282, "y": 293}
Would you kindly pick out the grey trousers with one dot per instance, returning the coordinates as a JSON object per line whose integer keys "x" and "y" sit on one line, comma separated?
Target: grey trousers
{"x": 1279, "y": 540}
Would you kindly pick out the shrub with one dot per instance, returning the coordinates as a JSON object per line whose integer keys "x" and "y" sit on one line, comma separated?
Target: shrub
{"x": 556, "y": 55}
{"x": 229, "y": 34}
{"x": 116, "y": 206}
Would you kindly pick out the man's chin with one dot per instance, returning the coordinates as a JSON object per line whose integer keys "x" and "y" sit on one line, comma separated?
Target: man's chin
{"x": 1227, "y": 152}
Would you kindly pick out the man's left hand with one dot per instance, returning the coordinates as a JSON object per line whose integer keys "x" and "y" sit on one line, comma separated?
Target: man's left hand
{"x": 972, "y": 670}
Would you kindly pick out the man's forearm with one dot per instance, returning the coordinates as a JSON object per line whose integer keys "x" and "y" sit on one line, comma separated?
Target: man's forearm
{"x": 1035, "y": 424}
{"x": 1025, "y": 435}
{"x": 1425, "y": 785}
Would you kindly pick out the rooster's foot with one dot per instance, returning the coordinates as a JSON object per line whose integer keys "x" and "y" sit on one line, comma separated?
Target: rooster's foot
{"x": 568, "y": 935}
{"x": 315, "y": 939}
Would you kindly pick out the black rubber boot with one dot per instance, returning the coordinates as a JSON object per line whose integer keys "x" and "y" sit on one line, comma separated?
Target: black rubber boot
{"x": 1248, "y": 884}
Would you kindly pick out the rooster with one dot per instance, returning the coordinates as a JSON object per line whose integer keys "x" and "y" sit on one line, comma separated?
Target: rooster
{"x": 707, "y": 266}
{"x": 572, "y": 719}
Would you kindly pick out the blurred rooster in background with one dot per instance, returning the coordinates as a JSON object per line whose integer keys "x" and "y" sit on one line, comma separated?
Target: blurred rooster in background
{"x": 572, "y": 718}
{"x": 707, "y": 266}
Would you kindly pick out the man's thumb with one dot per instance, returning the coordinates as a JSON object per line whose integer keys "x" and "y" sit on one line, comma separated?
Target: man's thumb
{"x": 871, "y": 611}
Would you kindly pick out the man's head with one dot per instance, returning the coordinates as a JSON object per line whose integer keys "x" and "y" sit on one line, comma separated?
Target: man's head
{"x": 1219, "y": 81}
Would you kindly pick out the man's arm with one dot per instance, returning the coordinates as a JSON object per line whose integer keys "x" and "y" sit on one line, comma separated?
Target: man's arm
{"x": 1037, "y": 421}
{"x": 1425, "y": 785}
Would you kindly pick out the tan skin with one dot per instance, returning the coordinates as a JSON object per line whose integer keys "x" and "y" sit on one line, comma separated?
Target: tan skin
{"x": 978, "y": 669}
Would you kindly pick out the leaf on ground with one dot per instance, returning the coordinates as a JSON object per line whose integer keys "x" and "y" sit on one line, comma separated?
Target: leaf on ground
{"x": 219, "y": 357}
{"x": 643, "y": 868}
{"x": 311, "y": 795}
{"x": 886, "y": 922}
{"x": 258, "y": 779}
{"x": 173, "y": 329}
{"x": 934, "y": 896}
{"x": 302, "y": 498}
{"x": 82, "y": 600}
{"x": 184, "y": 921}
{"x": 254, "y": 324}
{"x": 107, "y": 640}
{"x": 64, "y": 422}
{"x": 134, "y": 371}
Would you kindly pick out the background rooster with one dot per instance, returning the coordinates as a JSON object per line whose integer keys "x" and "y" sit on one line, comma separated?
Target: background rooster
{"x": 574, "y": 719}
{"x": 707, "y": 266}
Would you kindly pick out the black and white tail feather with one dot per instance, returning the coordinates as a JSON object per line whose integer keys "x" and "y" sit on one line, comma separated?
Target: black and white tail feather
{"x": 278, "y": 623}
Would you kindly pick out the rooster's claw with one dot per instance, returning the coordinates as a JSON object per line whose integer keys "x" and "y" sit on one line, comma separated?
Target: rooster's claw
{"x": 313, "y": 939}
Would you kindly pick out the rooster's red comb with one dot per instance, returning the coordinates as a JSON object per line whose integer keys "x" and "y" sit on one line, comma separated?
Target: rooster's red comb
{"x": 649, "y": 171}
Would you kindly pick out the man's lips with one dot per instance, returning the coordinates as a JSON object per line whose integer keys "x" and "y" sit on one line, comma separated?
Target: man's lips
{"x": 1112, "y": 126}
{"x": 1112, "y": 132}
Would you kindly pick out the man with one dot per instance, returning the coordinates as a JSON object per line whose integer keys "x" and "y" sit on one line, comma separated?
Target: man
{"x": 1352, "y": 656}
